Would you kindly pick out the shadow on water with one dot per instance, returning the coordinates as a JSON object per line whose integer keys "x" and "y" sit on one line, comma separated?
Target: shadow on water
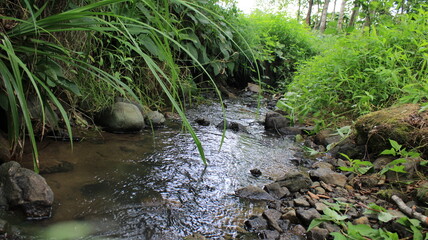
{"x": 154, "y": 185}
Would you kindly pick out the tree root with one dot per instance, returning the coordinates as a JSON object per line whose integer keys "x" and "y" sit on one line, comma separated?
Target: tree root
{"x": 408, "y": 211}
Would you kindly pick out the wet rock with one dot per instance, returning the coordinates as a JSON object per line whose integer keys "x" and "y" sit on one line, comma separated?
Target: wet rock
{"x": 328, "y": 176}
{"x": 276, "y": 190}
{"x": 256, "y": 172}
{"x": 275, "y": 121}
{"x": 122, "y": 117}
{"x": 234, "y": 126}
{"x": 154, "y": 118}
{"x": 295, "y": 181}
{"x": 291, "y": 216}
{"x": 195, "y": 236}
{"x": 256, "y": 223}
{"x": 306, "y": 216}
{"x": 301, "y": 202}
{"x": 26, "y": 189}
{"x": 268, "y": 234}
{"x": 317, "y": 233}
{"x": 203, "y": 122}
{"x": 55, "y": 167}
{"x": 254, "y": 193}
{"x": 289, "y": 131}
{"x": 272, "y": 216}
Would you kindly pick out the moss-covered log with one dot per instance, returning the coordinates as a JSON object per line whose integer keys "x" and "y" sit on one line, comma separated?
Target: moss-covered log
{"x": 404, "y": 124}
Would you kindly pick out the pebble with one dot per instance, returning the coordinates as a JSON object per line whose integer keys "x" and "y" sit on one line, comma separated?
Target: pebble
{"x": 301, "y": 202}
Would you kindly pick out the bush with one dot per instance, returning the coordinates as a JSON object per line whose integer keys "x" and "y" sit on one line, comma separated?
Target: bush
{"x": 364, "y": 71}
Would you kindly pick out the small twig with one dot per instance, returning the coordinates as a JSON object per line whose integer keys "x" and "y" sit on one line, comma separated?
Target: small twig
{"x": 367, "y": 207}
{"x": 408, "y": 211}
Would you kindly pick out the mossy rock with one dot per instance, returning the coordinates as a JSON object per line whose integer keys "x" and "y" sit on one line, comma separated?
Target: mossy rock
{"x": 403, "y": 123}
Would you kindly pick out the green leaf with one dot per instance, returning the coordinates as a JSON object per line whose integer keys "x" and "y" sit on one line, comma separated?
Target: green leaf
{"x": 389, "y": 152}
{"x": 395, "y": 145}
{"x": 316, "y": 222}
{"x": 338, "y": 236}
{"x": 334, "y": 215}
{"x": 385, "y": 217}
{"x": 347, "y": 169}
{"x": 417, "y": 234}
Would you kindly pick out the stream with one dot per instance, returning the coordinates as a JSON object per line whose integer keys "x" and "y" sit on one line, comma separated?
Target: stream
{"x": 153, "y": 185}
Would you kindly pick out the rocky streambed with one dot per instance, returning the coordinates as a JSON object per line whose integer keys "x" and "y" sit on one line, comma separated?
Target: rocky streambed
{"x": 261, "y": 184}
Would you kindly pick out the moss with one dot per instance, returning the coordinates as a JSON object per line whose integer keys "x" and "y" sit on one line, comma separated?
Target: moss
{"x": 402, "y": 123}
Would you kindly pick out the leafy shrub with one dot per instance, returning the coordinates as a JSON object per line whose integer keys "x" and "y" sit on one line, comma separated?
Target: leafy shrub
{"x": 279, "y": 44}
{"x": 365, "y": 71}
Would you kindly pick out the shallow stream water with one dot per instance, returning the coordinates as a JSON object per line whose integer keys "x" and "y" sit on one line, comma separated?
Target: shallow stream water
{"x": 153, "y": 185}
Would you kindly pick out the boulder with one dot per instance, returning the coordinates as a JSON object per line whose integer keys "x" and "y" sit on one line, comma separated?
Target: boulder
{"x": 275, "y": 121}
{"x": 329, "y": 177}
{"x": 154, "y": 118}
{"x": 404, "y": 124}
{"x": 26, "y": 189}
{"x": 122, "y": 117}
{"x": 254, "y": 193}
{"x": 276, "y": 190}
{"x": 234, "y": 126}
{"x": 295, "y": 181}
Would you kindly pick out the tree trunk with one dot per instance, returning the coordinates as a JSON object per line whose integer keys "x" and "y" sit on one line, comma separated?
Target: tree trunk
{"x": 299, "y": 3}
{"x": 355, "y": 13}
{"x": 334, "y": 9}
{"x": 308, "y": 16}
{"x": 323, "y": 21}
{"x": 341, "y": 16}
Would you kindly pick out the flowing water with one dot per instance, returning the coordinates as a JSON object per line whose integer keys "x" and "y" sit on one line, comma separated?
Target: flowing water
{"x": 153, "y": 185}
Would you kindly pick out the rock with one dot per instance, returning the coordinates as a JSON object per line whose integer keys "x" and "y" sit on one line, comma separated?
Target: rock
{"x": 403, "y": 123}
{"x": 276, "y": 190}
{"x": 253, "y": 88}
{"x": 275, "y": 121}
{"x": 326, "y": 186}
{"x": 320, "y": 190}
{"x": 234, "y": 126}
{"x": 301, "y": 202}
{"x": 4, "y": 148}
{"x": 256, "y": 223}
{"x": 195, "y": 236}
{"x": 3, "y": 230}
{"x": 291, "y": 216}
{"x": 381, "y": 162}
{"x": 284, "y": 224}
{"x": 55, "y": 167}
{"x": 256, "y": 172}
{"x": 289, "y": 131}
{"x": 295, "y": 181}
{"x": 254, "y": 193}
{"x": 26, "y": 189}
{"x": 317, "y": 233}
{"x": 202, "y": 122}
{"x": 349, "y": 148}
{"x": 36, "y": 113}
{"x": 298, "y": 230}
{"x": 327, "y": 137}
{"x": 122, "y": 117}
{"x": 319, "y": 206}
{"x": 323, "y": 165}
{"x": 422, "y": 192}
{"x": 154, "y": 118}
{"x": 306, "y": 216}
{"x": 328, "y": 176}
{"x": 268, "y": 234}
{"x": 272, "y": 216}
{"x": 330, "y": 227}
{"x": 361, "y": 220}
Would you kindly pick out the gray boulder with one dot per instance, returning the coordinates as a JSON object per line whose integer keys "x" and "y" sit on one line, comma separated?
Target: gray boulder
{"x": 330, "y": 177}
{"x": 154, "y": 118}
{"x": 295, "y": 181}
{"x": 122, "y": 117}
{"x": 26, "y": 189}
{"x": 275, "y": 121}
{"x": 254, "y": 193}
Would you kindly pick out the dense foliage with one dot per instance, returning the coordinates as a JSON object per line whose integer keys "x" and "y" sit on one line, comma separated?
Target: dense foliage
{"x": 365, "y": 71}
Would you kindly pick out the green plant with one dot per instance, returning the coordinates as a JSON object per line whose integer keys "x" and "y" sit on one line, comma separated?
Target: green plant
{"x": 397, "y": 164}
{"x": 357, "y": 166}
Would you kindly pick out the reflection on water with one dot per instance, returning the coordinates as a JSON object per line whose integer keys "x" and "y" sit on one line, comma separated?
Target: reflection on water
{"x": 154, "y": 185}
